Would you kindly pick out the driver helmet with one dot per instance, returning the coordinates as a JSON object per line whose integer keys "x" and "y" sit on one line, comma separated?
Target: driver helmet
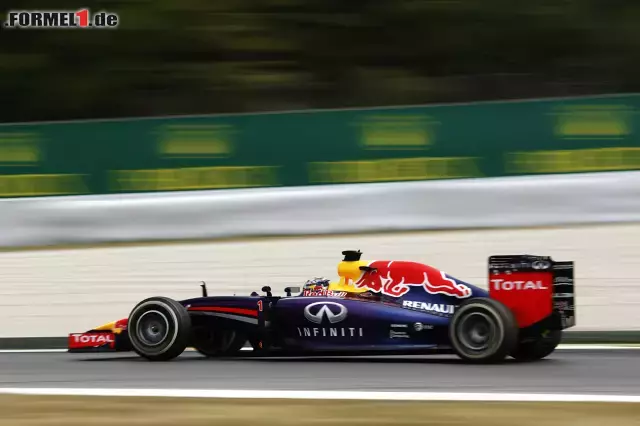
{"x": 316, "y": 284}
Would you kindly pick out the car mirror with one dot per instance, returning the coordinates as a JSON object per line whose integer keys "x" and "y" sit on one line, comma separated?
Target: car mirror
{"x": 290, "y": 290}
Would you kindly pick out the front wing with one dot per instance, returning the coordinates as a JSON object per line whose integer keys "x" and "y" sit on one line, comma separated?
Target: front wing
{"x": 111, "y": 337}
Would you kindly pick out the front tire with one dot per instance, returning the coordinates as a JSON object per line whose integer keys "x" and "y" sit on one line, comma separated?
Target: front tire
{"x": 483, "y": 330}
{"x": 539, "y": 348}
{"x": 159, "y": 328}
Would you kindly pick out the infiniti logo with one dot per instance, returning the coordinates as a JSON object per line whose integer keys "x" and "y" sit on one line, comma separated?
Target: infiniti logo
{"x": 333, "y": 311}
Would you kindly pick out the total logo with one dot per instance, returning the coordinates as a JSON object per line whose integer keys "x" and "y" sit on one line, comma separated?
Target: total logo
{"x": 429, "y": 307}
{"x": 333, "y": 313}
{"x": 499, "y": 284}
{"x": 93, "y": 338}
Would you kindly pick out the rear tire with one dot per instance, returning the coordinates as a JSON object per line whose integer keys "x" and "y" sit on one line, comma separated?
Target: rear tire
{"x": 159, "y": 328}
{"x": 539, "y": 348}
{"x": 483, "y": 330}
{"x": 213, "y": 343}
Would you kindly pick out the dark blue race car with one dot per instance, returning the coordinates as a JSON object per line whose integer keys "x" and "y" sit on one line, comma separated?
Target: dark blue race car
{"x": 376, "y": 307}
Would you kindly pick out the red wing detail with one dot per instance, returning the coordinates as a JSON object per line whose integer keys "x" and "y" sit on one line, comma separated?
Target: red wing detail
{"x": 250, "y": 312}
{"x": 528, "y": 294}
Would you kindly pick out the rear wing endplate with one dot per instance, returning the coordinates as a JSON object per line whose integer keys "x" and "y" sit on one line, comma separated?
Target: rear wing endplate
{"x": 561, "y": 275}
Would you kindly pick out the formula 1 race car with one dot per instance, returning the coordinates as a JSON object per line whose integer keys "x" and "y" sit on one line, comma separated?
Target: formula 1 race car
{"x": 377, "y": 307}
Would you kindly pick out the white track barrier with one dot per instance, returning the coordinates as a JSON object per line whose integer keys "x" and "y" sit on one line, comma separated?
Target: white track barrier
{"x": 448, "y": 204}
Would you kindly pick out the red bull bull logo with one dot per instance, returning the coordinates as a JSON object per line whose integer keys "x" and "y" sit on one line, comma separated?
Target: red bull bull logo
{"x": 395, "y": 278}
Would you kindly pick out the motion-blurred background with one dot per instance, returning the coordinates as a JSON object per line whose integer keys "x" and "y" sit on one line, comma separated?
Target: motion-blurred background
{"x": 227, "y": 119}
{"x": 197, "y": 56}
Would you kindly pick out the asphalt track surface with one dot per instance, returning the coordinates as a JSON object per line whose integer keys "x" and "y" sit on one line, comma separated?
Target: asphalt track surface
{"x": 566, "y": 371}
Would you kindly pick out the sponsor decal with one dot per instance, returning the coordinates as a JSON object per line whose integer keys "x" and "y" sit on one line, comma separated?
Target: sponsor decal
{"x": 541, "y": 264}
{"x": 330, "y": 331}
{"x": 332, "y": 311}
{"x": 420, "y": 326}
{"x": 399, "y": 325}
{"x": 101, "y": 338}
{"x": 398, "y": 334}
{"x": 500, "y": 284}
{"x": 561, "y": 295}
{"x": 558, "y": 281}
{"x": 97, "y": 339}
{"x": 429, "y": 307}
{"x": 121, "y": 324}
{"x": 395, "y": 279}
{"x": 324, "y": 293}
{"x": 561, "y": 266}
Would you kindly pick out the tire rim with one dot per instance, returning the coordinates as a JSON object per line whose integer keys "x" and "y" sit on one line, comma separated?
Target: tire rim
{"x": 476, "y": 331}
{"x": 152, "y": 328}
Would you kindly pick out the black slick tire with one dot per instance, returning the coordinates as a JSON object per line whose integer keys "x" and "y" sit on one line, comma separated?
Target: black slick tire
{"x": 159, "y": 328}
{"x": 539, "y": 348}
{"x": 483, "y": 330}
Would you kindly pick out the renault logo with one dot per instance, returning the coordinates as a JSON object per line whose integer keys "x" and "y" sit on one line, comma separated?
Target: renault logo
{"x": 334, "y": 312}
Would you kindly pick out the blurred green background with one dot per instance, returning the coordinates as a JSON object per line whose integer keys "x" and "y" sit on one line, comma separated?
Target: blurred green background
{"x": 203, "y": 56}
{"x": 199, "y": 57}
{"x": 492, "y": 139}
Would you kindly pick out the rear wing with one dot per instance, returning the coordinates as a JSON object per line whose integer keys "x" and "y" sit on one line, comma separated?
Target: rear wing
{"x": 535, "y": 288}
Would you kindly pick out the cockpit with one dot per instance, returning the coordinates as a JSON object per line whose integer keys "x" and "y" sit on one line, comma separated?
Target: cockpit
{"x": 348, "y": 274}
